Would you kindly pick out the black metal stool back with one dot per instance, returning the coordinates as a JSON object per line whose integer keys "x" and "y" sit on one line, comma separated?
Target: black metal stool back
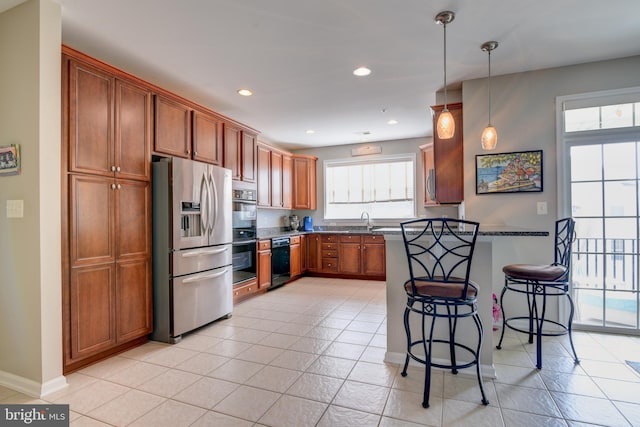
{"x": 439, "y": 254}
{"x": 538, "y": 283}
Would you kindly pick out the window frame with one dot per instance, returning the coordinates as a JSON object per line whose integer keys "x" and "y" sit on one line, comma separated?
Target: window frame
{"x": 410, "y": 157}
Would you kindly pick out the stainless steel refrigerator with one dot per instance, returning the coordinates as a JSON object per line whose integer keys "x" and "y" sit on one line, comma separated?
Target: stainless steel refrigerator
{"x": 192, "y": 252}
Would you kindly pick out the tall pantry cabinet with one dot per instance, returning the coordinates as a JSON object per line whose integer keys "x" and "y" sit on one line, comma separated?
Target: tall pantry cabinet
{"x": 107, "y": 300}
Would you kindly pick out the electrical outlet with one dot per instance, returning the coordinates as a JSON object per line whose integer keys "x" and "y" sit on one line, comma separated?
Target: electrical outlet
{"x": 15, "y": 208}
{"x": 542, "y": 208}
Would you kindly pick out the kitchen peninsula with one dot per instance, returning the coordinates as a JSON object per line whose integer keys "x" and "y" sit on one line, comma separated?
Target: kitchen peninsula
{"x": 485, "y": 272}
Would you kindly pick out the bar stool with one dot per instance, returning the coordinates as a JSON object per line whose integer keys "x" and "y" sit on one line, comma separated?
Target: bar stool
{"x": 539, "y": 282}
{"x": 439, "y": 252}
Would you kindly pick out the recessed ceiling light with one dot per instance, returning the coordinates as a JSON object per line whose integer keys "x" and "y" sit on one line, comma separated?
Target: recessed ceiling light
{"x": 310, "y": 131}
{"x": 392, "y": 122}
{"x": 245, "y": 92}
{"x": 361, "y": 71}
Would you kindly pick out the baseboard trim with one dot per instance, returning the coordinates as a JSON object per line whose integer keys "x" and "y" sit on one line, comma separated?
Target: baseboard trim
{"x": 488, "y": 371}
{"x": 30, "y": 387}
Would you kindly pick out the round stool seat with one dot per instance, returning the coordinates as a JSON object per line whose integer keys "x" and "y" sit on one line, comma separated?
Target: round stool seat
{"x": 545, "y": 273}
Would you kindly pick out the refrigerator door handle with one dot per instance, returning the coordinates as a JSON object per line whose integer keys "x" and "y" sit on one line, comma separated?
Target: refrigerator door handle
{"x": 205, "y": 252}
{"x": 213, "y": 210}
{"x": 204, "y": 197}
{"x": 205, "y": 277}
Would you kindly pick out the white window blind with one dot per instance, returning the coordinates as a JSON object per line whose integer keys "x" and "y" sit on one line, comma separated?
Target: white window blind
{"x": 384, "y": 187}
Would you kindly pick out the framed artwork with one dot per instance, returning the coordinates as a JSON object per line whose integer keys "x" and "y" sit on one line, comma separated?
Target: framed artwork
{"x": 517, "y": 172}
{"x": 9, "y": 159}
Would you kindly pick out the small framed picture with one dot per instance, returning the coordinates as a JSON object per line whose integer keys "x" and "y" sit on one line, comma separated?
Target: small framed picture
{"x": 10, "y": 159}
{"x": 518, "y": 172}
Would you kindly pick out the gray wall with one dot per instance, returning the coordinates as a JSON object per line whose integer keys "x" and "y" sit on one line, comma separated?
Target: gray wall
{"x": 30, "y": 252}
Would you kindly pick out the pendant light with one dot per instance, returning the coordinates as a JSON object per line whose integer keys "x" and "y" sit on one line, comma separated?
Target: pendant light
{"x": 489, "y": 134}
{"x": 445, "y": 126}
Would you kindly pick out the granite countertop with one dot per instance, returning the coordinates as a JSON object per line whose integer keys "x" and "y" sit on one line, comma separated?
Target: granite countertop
{"x": 485, "y": 230}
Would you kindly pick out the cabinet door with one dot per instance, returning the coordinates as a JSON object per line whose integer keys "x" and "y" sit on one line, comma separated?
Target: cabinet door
{"x": 294, "y": 260}
{"x": 428, "y": 173}
{"x": 173, "y": 128}
{"x": 303, "y": 253}
{"x": 248, "y": 157}
{"x": 264, "y": 176}
{"x": 276, "y": 179}
{"x": 90, "y": 116}
{"x": 349, "y": 258}
{"x": 207, "y": 138}
{"x": 91, "y": 220}
{"x": 373, "y": 259}
{"x": 447, "y": 157}
{"x": 314, "y": 252}
{"x": 134, "y": 316}
{"x": 304, "y": 183}
{"x": 264, "y": 269}
{"x": 133, "y": 219}
{"x": 287, "y": 183}
{"x": 92, "y": 310}
{"x": 132, "y": 131}
{"x": 232, "y": 150}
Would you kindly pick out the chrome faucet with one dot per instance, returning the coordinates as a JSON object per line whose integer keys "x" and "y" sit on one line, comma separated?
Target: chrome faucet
{"x": 362, "y": 215}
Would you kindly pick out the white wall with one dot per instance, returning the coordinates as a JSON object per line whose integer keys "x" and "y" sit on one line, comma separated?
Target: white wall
{"x": 523, "y": 112}
{"x": 30, "y": 251}
{"x": 388, "y": 148}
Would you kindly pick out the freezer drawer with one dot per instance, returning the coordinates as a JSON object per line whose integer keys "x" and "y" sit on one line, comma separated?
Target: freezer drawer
{"x": 201, "y": 298}
{"x": 189, "y": 261}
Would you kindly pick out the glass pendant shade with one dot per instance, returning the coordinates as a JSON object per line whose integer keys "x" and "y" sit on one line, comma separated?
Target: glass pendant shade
{"x": 446, "y": 126}
{"x": 489, "y": 138}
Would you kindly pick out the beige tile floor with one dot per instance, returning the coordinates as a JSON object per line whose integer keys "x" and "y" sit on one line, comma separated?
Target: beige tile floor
{"x": 311, "y": 354}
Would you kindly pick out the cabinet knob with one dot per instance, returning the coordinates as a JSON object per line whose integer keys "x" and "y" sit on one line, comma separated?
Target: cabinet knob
{"x": 113, "y": 168}
{"x": 119, "y": 186}
{"x": 118, "y": 169}
{"x": 113, "y": 186}
{"x": 195, "y": 152}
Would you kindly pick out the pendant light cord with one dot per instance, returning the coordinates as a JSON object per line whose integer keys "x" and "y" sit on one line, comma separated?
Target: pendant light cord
{"x": 445, "y": 65}
{"x": 489, "y": 86}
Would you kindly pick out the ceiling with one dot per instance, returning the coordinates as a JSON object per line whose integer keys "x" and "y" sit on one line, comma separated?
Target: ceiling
{"x": 297, "y": 56}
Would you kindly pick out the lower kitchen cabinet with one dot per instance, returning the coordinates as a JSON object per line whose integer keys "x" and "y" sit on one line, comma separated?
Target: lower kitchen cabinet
{"x": 108, "y": 300}
{"x": 314, "y": 251}
{"x": 264, "y": 263}
{"x": 244, "y": 290}
{"x": 294, "y": 257}
{"x": 373, "y": 256}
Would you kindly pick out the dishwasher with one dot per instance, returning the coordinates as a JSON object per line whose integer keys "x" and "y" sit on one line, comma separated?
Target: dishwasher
{"x": 280, "y": 262}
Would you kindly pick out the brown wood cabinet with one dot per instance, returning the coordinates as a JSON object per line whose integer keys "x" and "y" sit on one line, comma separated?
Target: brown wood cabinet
{"x": 314, "y": 253}
{"x": 443, "y": 163}
{"x": 303, "y": 253}
{"x": 295, "y": 253}
{"x": 374, "y": 256}
{"x": 207, "y": 137}
{"x": 239, "y": 152}
{"x": 304, "y": 182}
{"x": 274, "y": 177}
{"x": 264, "y": 175}
{"x": 264, "y": 263}
{"x": 107, "y": 122}
{"x": 110, "y": 300}
{"x": 350, "y": 254}
{"x": 172, "y": 127}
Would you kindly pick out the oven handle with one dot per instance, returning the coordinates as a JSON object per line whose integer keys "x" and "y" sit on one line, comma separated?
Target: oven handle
{"x": 205, "y": 252}
{"x": 244, "y": 242}
{"x": 205, "y": 277}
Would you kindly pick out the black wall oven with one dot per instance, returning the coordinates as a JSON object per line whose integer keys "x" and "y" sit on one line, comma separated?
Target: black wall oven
{"x": 244, "y": 214}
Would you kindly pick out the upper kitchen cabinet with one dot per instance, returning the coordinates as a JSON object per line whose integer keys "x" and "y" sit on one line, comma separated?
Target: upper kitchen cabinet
{"x": 109, "y": 122}
{"x": 240, "y": 152}
{"x": 172, "y": 127}
{"x": 249, "y": 142}
{"x": 207, "y": 138}
{"x": 274, "y": 177}
{"x": 304, "y": 182}
{"x": 442, "y": 163}
{"x": 264, "y": 175}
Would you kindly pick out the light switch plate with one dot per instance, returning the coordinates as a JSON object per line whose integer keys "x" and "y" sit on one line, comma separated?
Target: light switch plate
{"x": 15, "y": 208}
{"x": 542, "y": 208}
